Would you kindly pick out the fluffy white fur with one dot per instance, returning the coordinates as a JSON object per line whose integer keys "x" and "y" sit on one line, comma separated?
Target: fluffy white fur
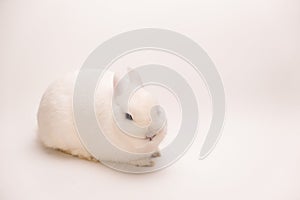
{"x": 57, "y": 128}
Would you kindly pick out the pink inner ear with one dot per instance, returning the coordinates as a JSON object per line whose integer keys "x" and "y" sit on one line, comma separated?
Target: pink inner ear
{"x": 116, "y": 79}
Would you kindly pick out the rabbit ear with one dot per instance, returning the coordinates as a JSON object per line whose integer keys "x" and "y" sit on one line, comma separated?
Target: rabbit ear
{"x": 120, "y": 84}
{"x": 134, "y": 77}
{"x": 123, "y": 83}
{"x": 116, "y": 79}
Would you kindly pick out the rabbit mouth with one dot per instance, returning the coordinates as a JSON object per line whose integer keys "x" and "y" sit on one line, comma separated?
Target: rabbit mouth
{"x": 150, "y": 138}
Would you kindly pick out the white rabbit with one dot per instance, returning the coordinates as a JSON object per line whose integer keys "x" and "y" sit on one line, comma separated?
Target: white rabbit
{"x": 57, "y": 128}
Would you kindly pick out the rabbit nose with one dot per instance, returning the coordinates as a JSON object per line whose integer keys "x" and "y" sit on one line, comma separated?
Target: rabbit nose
{"x": 151, "y": 133}
{"x": 158, "y": 118}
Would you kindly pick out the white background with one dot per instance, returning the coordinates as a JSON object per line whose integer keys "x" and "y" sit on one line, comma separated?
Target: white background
{"x": 256, "y": 48}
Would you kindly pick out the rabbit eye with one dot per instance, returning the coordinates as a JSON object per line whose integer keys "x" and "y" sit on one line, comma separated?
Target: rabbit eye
{"x": 128, "y": 116}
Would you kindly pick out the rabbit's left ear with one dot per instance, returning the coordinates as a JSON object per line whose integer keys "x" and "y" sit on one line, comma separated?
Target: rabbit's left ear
{"x": 134, "y": 77}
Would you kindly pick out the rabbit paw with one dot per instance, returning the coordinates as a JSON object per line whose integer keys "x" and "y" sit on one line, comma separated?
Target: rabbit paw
{"x": 142, "y": 163}
{"x": 156, "y": 154}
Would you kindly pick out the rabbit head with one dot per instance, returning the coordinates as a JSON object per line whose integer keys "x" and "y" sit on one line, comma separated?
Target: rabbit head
{"x": 140, "y": 121}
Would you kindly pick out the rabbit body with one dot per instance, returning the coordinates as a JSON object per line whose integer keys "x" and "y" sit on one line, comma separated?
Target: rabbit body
{"x": 57, "y": 128}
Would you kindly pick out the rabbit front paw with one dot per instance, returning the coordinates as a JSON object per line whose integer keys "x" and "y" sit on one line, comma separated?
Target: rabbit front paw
{"x": 143, "y": 162}
{"x": 156, "y": 154}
